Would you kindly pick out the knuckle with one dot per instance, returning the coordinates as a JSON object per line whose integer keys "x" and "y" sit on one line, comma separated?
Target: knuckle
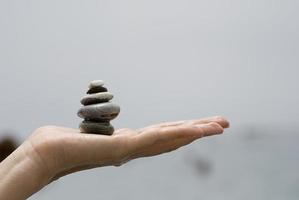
{"x": 217, "y": 126}
{"x": 194, "y": 131}
{"x": 218, "y": 117}
{"x": 214, "y": 124}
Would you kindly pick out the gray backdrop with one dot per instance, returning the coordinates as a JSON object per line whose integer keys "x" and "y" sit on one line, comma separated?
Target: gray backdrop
{"x": 164, "y": 60}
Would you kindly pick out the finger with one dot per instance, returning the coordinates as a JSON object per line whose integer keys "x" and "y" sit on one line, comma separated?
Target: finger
{"x": 197, "y": 130}
{"x": 212, "y": 128}
{"x": 154, "y": 135}
{"x": 164, "y": 134}
{"x": 171, "y": 138}
{"x": 218, "y": 119}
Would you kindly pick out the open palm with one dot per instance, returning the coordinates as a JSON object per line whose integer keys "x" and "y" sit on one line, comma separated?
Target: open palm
{"x": 59, "y": 151}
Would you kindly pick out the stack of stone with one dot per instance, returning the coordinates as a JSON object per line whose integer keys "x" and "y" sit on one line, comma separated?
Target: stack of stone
{"x": 97, "y": 110}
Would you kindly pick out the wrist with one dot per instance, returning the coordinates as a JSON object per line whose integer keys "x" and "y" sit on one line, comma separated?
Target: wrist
{"x": 21, "y": 175}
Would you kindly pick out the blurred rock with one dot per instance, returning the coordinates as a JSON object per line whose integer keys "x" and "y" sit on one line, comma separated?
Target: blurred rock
{"x": 201, "y": 165}
{"x": 7, "y": 146}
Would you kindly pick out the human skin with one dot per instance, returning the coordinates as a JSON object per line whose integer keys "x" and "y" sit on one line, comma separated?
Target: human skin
{"x": 52, "y": 152}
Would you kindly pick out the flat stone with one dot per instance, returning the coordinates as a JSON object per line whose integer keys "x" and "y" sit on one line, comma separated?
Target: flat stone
{"x": 103, "y": 128}
{"x": 100, "y": 111}
{"x": 97, "y": 90}
{"x": 96, "y": 98}
{"x": 96, "y": 83}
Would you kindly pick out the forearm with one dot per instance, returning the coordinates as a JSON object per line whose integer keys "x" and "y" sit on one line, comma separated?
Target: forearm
{"x": 20, "y": 176}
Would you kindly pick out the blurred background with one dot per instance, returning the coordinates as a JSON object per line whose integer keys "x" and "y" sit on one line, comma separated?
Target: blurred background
{"x": 164, "y": 60}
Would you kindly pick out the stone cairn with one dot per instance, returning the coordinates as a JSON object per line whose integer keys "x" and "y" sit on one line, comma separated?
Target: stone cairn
{"x": 97, "y": 110}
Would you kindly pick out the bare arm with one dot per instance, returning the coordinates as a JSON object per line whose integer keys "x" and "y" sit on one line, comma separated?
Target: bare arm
{"x": 52, "y": 152}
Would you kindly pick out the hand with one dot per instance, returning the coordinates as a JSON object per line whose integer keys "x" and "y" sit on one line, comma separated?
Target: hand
{"x": 57, "y": 151}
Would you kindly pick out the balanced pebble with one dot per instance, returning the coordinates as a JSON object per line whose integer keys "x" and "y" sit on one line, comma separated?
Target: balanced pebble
{"x": 97, "y": 90}
{"x": 96, "y": 98}
{"x": 103, "y": 128}
{"x": 101, "y": 111}
{"x": 96, "y": 83}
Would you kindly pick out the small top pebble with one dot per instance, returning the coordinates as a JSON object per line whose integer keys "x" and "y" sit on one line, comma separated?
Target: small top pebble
{"x": 96, "y": 83}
